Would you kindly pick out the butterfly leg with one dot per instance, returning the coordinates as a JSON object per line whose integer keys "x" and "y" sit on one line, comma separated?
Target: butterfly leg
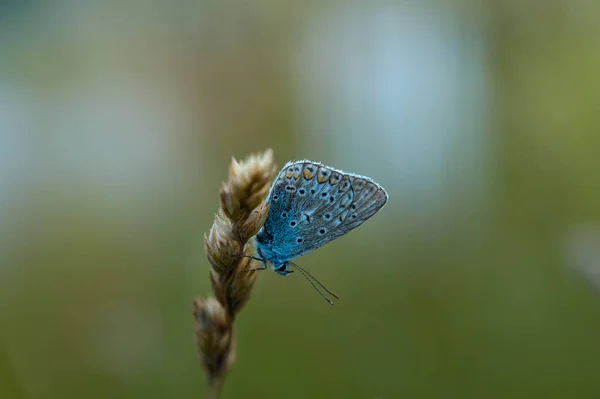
{"x": 251, "y": 257}
{"x": 263, "y": 267}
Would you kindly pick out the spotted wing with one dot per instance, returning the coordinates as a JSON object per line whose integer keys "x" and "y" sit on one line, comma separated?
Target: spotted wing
{"x": 312, "y": 204}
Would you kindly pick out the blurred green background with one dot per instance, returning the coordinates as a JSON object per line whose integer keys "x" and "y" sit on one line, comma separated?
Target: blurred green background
{"x": 479, "y": 279}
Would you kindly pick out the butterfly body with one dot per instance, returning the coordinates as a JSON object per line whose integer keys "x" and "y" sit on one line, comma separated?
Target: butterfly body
{"x": 310, "y": 205}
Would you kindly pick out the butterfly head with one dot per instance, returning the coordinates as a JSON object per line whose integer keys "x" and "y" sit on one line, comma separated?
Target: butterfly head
{"x": 282, "y": 269}
{"x": 264, "y": 245}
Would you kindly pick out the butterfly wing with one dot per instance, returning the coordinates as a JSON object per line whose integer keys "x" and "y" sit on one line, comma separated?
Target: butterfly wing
{"x": 312, "y": 204}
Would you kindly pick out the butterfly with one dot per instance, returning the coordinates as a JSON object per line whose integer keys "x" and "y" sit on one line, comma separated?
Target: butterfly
{"x": 310, "y": 205}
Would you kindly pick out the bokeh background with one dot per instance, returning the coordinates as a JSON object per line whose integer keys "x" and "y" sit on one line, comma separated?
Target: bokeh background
{"x": 479, "y": 279}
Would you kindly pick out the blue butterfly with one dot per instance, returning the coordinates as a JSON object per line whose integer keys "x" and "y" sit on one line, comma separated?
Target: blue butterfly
{"x": 310, "y": 205}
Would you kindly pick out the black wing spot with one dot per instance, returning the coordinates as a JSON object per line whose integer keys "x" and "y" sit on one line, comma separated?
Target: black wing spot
{"x": 290, "y": 188}
{"x": 327, "y": 216}
{"x": 322, "y": 231}
{"x": 284, "y": 215}
{"x": 353, "y": 206}
{"x": 323, "y": 194}
{"x": 302, "y": 191}
{"x": 275, "y": 198}
{"x": 299, "y": 240}
{"x": 354, "y": 216}
{"x": 331, "y": 199}
{"x": 293, "y": 223}
{"x": 312, "y": 191}
{"x": 307, "y": 218}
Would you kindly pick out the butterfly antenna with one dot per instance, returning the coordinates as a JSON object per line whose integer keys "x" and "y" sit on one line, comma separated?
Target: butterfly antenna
{"x": 316, "y": 288}
{"x": 313, "y": 277}
{"x": 310, "y": 279}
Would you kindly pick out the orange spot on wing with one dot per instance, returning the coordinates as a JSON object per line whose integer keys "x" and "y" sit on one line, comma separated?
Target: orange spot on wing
{"x": 307, "y": 174}
{"x": 321, "y": 178}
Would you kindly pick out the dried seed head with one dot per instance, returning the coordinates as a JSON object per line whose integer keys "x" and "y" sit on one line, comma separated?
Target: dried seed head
{"x": 233, "y": 290}
{"x": 248, "y": 185}
{"x": 243, "y": 212}
{"x": 222, "y": 246}
{"x": 230, "y": 274}
{"x": 253, "y": 223}
{"x": 214, "y": 336}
